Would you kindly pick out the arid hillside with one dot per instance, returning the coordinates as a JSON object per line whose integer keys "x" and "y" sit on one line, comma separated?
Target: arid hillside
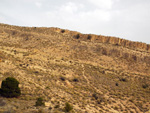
{"x": 94, "y": 73}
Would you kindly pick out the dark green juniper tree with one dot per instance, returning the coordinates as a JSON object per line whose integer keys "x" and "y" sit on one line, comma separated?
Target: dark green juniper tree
{"x": 9, "y": 88}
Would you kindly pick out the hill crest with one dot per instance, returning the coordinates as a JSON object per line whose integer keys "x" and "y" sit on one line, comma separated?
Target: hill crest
{"x": 92, "y": 37}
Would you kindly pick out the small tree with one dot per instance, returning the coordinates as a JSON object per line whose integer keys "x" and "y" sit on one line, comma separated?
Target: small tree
{"x": 68, "y": 107}
{"x": 39, "y": 102}
{"x": 9, "y": 88}
{"x": 77, "y": 36}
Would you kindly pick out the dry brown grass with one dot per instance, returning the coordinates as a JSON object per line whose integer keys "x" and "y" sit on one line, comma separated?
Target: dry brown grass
{"x": 39, "y": 57}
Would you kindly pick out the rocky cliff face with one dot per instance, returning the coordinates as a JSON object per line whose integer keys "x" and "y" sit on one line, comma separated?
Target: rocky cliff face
{"x": 91, "y": 37}
{"x": 107, "y": 39}
{"x": 140, "y": 51}
{"x": 139, "y": 47}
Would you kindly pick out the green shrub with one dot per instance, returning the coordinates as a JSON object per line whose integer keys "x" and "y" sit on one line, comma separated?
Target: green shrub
{"x": 68, "y": 107}
{"x": 145, "y": 86}
{"x": 57, "y": 106}
{"x": 123, "y": 79}
{"x": 39, "y": 102}
{"x": 9, "y": 88}
{"x": 95, "y": 96}
{"x": 77, "y": 36}
{"x": 89, "y": 37}
{"x": 62, "y": 31}
{"x": 62, "y": 78}
{"x": 75, "y": 80}
{"x": 117, "y": 84}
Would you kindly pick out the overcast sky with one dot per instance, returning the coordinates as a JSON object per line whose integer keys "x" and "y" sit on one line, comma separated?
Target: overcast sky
{"x": 128, "y": 19}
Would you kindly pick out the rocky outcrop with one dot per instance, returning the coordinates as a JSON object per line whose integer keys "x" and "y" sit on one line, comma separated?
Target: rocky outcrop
{"x": 106, "y": 39}
{"x": 115, "y": 41}
{"x": 87, "y": 37}
{"x": 114, "y": 52}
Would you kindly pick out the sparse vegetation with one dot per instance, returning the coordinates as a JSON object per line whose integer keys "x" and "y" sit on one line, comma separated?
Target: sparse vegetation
{"x": 93, "y": 75}
{"x": 77, "y": 36}
{"x": 89, "y": 37}
{"x": 95, "y": 96}
{"x": 117, "y": 84}
{"x": 75, "y": 80}
{"x": 123, "y": 79}
{"x": 39, "y": 102}
{"x": 2, "y": 102}
{"x": 10, "y": 88}
{"x": 145, "y": 86}
{"x": 57, "y": 106}
{"x": 62, "y": 31}
{"x": 68, "y": 107}
{"x": 50, "y": 108}
{"x": 62, "y": 78}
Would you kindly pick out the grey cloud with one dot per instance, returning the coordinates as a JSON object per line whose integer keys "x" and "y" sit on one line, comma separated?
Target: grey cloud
{"x": 122, "y": 18}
